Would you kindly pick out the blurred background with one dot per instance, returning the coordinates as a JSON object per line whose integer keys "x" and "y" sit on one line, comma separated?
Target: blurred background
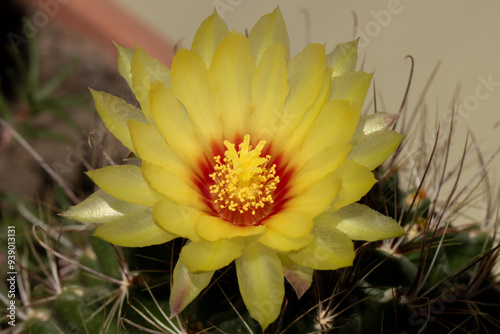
{"x": 458, "y": 37}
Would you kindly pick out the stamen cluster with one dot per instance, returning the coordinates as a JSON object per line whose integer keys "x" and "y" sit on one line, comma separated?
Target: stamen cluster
{"x": 244, "y": 185}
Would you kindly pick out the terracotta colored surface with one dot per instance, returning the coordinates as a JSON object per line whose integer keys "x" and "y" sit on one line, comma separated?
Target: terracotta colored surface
{"x": 104, "y": 22}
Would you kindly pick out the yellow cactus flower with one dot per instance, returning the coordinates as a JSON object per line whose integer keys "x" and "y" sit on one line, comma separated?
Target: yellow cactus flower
{"x": 250, "y": 155}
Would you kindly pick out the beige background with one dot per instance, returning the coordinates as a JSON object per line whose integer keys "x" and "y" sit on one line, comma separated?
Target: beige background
{"x": 463, "y": 34}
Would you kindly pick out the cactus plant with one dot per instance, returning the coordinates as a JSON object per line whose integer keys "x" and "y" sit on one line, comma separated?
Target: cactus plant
{"x": 436, "y": 277}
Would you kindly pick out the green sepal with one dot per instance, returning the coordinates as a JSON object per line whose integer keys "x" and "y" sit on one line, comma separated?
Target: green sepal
{"x": 186, "y": 287}
{"x": 343, "y": 58}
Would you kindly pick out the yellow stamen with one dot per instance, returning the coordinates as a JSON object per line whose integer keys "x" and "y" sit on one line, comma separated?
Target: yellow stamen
{"x": 243, "y": 183}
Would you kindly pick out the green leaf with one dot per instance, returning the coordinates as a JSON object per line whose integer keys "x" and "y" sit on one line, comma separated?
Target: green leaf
{"x": 54, "y": 82}
{"x": 32, "y": 75}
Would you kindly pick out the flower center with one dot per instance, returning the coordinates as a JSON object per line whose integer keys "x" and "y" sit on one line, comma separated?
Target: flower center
{"x": 244, "y": 185}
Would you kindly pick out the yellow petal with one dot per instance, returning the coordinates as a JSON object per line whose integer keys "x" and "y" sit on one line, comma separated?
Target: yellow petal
{"x": 197, "y": 91}
{"x": 174, "y": 124}
{"x": 343, "y": 58}
{"x": 177, "y": 218}
{"x": 360, "y": 222}
{"x": 260, "y": 278}
{"x": 268, "y": 30}
{"x": 186, "y": 287}
{"x": 208, "y": 37}
{"x": 269, "y": 91}
{"x": 202, "y": 255}
{"x": 115, "y": 113}
{"x": 299, "y": 277}
{"x": 125, "y": 182}
{"x": 334, "y": 126}
{"x": 283, "y": 243}
{"x": 357, "y": 180}
{"x": 315, "y": 199}
{"x": 290, "y": 224}
{"x": 372, "y": 149}
{"x": 135, "y": 229}
{"x": 152, "y": 147}
{"x": 305, "y": 73}
{"x": 232, "y": 69}
{"x": 213, "y": 228}
{"x": 171, "y": 185}
{"x": 351, "y": 86}
{"x": 145, "y": 71}
{"x": 100, "y": 208}
{"x": 319, "y": 166}
{"x": 332, "y": 249}
{"x": 124, "y": 59}
{"x": 295, "y": 138}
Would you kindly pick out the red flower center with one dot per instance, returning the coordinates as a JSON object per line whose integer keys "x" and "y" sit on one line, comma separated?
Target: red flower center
{"x": 244, "y": 184}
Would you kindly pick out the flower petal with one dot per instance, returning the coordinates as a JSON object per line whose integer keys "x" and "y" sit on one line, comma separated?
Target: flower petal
{"x": 177, "y": 218}
{"x": 283, "y": 243}
{"x": 334, "y": 125}
{"x": 351, "y": 86}
{"x": 100, "y": 208}
{"x": 145, "y": 71}
{"x": 357, "y": 180}
{"x": 318, "y": 167}
{"x": 374, "y": 148}
{"x": 343, "y": 58}
{"x": 332, "y": 249}
{"x": 268, "y": 30}
{"x": 315, "y": 199}
{"x": 125, "y": 182}
{"x": 210, "y": 255}
{"x": 124, "y": 59}
{"x": 212, "y": 228}
{"x": 232, "y": 69}
{"x": 174, "y": 124}
{"x": 360, "y": 222}
{"x": 290, "y": 224}
{"x": 260, "y": 278}
{"x": 171, "y": 185}
{"x": 269, "y": 92}
{"x": 135, "y": 229}
{"x": 305, "y": 73}
{"x": 186, "y": 287}
{"x": 379, "y": 121}
{"x": 299, "y": 277}
{"x": 296, "y": 137}
{"x": 197, "y": 91}
{"x": 152, "y": 147}
{"x": 208, "y": 37}
{"x": 115, "y": 113}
